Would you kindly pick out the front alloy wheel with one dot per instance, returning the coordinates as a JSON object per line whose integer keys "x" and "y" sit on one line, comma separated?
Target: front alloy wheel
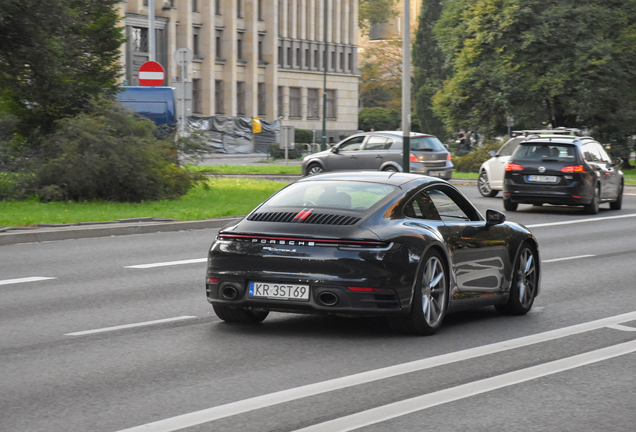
{"x": 314, "y": 168}
{"x": 430, "y": 299}
{"x": 525, "y": 280}
{"x": 483, "y": 184}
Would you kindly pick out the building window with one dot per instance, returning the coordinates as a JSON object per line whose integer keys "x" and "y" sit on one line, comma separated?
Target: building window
{"x": 239, "y": 8}
{"x": 294, "y": 102}
{"x": 240, "y": 98}
{"x": 289, "y": 56}
{"x": 350, "y": 62}
{"x": 342, "y": 64}
{"x": 196, "y": 96}
{"x": 261, "y": 44}
{"x": 139, "y": 39}
{"x": 316, "y": 58}
{"x": 262, "y": 95}
{"x": 333, "y": 60}
{"x": 217, "y": 7}
{"x": 307, "y": 58}
{"x": 239, "y": 46}
{"x": 219, "y": 44}
{"x": 331, "y": 111}
{"x": 145, "y": 2}
{"x": 195, "y": 42}
{"x": 281, "y": 59}
{"x": 219, "y": 97}
{"x": 298, "y": 58}
{"x": 260, "y": 10}
{"x": 195, "y": 6}
{"x": 281, "y": 101}
{"x": 313, "y": 103}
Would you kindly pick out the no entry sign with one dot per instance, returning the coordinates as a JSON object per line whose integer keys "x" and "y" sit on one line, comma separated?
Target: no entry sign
{"x": 151, "y": 74}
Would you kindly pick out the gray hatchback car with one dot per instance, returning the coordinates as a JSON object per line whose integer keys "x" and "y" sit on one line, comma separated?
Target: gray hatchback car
{"x": 382, "y": 151}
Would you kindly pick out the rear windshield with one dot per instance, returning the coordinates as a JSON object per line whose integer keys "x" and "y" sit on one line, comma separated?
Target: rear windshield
{"x": 331, "y": 194}
{"x": 429, "y": 143}
{"x": 546, "y": 152}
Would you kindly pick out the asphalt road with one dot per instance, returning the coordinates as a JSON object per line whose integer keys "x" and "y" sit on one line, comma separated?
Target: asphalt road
{"x": 87, "y": 350}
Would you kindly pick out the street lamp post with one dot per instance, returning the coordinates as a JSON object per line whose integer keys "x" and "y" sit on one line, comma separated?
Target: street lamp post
{"x": 323, "y": 146}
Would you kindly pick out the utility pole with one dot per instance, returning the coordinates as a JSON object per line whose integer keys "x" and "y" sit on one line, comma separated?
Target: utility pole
{"x": 323, "y": 146}
{"x": 406, "y": 88}
{"x": 151, "y": 29}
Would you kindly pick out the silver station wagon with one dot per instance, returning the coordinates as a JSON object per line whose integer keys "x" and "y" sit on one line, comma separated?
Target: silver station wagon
{"x": 382, "y": 151}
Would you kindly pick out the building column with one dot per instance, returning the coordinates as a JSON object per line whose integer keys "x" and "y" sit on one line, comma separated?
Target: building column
{"x": 270, "y": 56}
{"x": 250, "y": 52}
{"x": 230, "y": 70}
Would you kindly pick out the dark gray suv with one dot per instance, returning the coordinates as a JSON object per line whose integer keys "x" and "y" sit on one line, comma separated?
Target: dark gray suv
{"x": 382, "y": 151}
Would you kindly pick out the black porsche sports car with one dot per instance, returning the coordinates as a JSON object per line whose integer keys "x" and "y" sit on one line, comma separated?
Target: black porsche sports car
{"x": 405, "y": 246}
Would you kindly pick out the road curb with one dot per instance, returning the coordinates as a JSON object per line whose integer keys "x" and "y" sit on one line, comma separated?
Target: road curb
{"x": 81, "y": 231}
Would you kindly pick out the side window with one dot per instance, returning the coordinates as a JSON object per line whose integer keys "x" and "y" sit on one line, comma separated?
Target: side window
{"x": 590, "y": 153}
{"x": 604, "y": 156}
{"x": 509, "y": 147}
{"x": 452, "y": 206}
{"x": 421, "y": 207}
{"x": 389, "y": 144}
{"x": 375, "y": 143}
{"x": 352, "y": 144}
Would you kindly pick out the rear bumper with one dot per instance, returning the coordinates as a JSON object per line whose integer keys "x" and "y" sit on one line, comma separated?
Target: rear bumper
{"x": 574, "y": 193}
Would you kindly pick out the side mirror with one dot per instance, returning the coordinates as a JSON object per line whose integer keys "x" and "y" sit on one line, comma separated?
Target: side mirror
{"x": 617, "y": 161}
{"x": 447, "y": 147}
{"x": 494, "y": 217}
{"x": 334, "y": 149}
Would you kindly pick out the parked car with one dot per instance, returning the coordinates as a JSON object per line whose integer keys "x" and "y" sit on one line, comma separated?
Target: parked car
{"x": 491, "y": 172}
{"x": 382, "y": 151}
{"x": 403, "y": 246}
{"x": 562, "y": 170}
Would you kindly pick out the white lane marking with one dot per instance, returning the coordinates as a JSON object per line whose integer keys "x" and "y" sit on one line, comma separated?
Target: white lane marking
{"x": 239, "y": 407}
{"x": 622, "y": 327}
{"x": 126, "y": 326}
{"x": 409, "y": 406}
{"x": 580, "y": 221}
{"x": 23, "y": 280}
{"x": 567, "y": 258}
{"x": 169, "y": 263}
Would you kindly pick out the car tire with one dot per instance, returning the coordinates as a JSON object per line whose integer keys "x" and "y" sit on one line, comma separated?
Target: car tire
{"x": 525, "y": 282}
{"x": 314, "y": 169}
{"x": 390, "y": 169}
{"x": 593, "y": 207}
{"x": 239, "y": 315}
{"x": 509, "y": 205}
{"x": 430, "y": 301}
{"x": 616, "y": 205}
{"x": 483, "y": 184}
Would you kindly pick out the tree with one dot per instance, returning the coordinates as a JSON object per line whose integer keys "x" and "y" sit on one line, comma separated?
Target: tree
{"x": 564, "y": 62}
{"x": 430, "y": 69}
{"x": 55, "y": 56}
{"x": 374, "y": 11}
{"x": 382, "y": 75}
{"x": 379, "y": 119}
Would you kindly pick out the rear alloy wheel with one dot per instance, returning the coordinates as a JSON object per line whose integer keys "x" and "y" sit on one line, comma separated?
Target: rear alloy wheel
{"x": 524, "y": 286}
{"x": 483, "y": 184}
{"x": 430, "y": 300}
{"x": 593, "y": 207}
{"x": 314, "y": 169}
{"x": 616, "y": 205}
{"x": 390, "y": 169}
{"x": 509, "y": 205}
{"x": 239, "y": 315}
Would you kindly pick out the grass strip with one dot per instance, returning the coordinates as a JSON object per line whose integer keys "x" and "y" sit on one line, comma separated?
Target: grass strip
{"x": 225, "y": 197}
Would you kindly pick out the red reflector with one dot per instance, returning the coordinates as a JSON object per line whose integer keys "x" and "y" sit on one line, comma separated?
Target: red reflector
{"x": 213, "y": 280}
{"x": 573, "y": 169}
{"x": 513, "y": 167}
{"x": 369, "y": 289}
{"x": 576, "y": 196}
{"x": 413, "y": 158}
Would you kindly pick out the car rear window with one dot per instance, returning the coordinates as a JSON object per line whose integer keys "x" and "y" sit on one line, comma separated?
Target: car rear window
{"x": 546, "y": 152}
{"x": 330, "y": 194}
{"x": 428, "y": 143}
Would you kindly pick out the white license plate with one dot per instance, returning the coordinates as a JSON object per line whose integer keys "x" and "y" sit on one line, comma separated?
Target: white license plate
{"x": 543, "y": 179}
{"x": 435, "y": 173}
{"x": 278, "y": 291}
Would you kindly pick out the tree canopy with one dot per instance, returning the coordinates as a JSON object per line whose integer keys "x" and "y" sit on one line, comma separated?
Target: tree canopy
{"x": 374, "y": 11}
{"x": 563, "y": 62}
{"x": 55, "y": 56}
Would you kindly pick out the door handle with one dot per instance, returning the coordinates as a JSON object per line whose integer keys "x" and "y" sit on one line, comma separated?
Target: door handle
{"x": 378, "y": 157}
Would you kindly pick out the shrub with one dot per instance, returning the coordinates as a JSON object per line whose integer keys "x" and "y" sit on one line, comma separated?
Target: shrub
{"x": 472, "y": 161}
{"x": 378, "y": 119}
{"x": 304, "y": 136}
{"x": 109, "y": 153}
{"x": 279, "y": 153}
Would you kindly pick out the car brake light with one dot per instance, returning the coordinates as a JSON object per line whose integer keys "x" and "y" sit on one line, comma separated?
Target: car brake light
{"x": 213, "y": 280}
{"x": 448, "y": 157}
{"x": 573, "y": 169}
{"x": 413, "y": 158}
{"x": 513, "y": 167}
{"x": 369, "y": 289}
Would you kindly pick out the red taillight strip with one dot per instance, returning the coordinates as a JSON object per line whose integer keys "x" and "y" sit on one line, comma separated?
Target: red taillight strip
{"x": 369, "y": 289}
{"x": 513, "y": 167}
{"x": 303, "y": 214}
{"x": 239, "y": 236}
{"x": 573, "y": 169}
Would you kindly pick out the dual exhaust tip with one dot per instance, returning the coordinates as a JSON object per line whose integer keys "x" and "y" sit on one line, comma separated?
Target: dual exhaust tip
{"x": 230, "y": 291}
